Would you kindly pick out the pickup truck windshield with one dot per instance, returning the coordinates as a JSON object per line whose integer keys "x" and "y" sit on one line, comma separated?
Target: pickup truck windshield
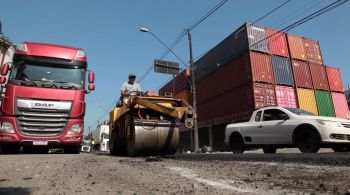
{"x": 300, "y": 112}
{"x": 47, "y": 75}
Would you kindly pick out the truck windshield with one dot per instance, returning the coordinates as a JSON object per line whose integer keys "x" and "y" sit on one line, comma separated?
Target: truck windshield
{"x": 47, "y": 75}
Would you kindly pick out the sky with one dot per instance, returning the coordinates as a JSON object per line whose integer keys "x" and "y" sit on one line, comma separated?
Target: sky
{"x": 108, "y": 30}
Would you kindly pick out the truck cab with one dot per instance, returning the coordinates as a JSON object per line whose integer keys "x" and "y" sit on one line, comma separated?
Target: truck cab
{"x": 44, "y": 103}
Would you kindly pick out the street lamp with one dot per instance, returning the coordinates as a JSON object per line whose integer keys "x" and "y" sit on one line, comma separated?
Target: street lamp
{"x": 192, "y": 83}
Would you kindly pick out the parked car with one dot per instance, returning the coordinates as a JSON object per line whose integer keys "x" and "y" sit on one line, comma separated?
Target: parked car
{"x": 277, "y": 127}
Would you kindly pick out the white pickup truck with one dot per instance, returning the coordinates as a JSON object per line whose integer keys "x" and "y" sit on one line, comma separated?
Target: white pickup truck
{"x": 270, "y": 128}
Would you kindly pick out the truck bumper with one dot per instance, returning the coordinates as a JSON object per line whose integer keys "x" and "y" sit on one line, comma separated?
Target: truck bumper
{"x": 61, "y": 139}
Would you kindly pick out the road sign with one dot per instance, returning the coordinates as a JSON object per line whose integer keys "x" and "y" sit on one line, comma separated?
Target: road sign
{"x": 166, "y": 67}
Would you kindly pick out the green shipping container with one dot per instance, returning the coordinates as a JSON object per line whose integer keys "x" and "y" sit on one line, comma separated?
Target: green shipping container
{"x": 324, "y": 103}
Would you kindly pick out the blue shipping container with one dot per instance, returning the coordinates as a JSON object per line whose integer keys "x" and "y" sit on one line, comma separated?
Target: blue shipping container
{"x": 282, "y": 70}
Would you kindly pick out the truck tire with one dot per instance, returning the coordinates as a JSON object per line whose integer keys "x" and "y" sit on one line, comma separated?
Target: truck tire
{"x": 237, "y": 144}
{"x": 72, "y": 149}
{"x": 9, "y": 148}
{"x": 308, "y": 141}
{"x": 269, "y": 149}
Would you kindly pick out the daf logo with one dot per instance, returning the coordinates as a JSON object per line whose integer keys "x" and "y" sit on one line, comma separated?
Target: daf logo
{"x": 44, "y": 105}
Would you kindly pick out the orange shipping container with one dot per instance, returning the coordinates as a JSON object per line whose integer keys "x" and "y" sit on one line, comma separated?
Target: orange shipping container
{"x": 307, "y": 100}
{"x": 296, "y": 47}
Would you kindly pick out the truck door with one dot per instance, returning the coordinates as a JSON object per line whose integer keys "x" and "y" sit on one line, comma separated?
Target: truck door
{"x": 274, "y": 127}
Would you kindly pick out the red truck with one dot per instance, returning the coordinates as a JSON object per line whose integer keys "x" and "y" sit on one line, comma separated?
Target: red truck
{"x": 44, "y": 103}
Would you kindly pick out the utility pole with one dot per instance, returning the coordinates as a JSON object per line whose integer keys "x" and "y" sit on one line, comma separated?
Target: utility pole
{"x": 193, "y": 90}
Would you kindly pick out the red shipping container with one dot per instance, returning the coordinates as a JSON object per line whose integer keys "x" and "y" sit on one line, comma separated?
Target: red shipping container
{"x": 240, "y": 101}
{"x": 340, "y": 105}
{"x": 319, "y": 76}
{"x": 181, "y": 83}
{"x": 251, "y": 67}
{"x": 296, "y": 47}
{"x": 334, "y": 79}
{"x": 313, "y": 51}
{"x": 277, "y": 42}
{"x": 285, "y": 96}
{"x": 302, "y": 74}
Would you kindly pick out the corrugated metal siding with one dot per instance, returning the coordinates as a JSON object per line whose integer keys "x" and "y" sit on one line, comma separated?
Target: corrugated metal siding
{"x": 340, "y": 105}
{"x": 324, "y": 103}
{"x": 261, "y": 65}
{"x": 277, "y": 43}
{"x": 307, "y": 100}
{"x": 243, "y": 99}
{"x": 302, "y": 74}
{"x": 319, "y": 76}
{"x": 296, "y": 47}
{"x": 257, "y": 38}
{"x": 334, "y": 78}
{"x": 313, "y": 51}
{"x": 285, "y": 96}
{"x": 282, "y": 70}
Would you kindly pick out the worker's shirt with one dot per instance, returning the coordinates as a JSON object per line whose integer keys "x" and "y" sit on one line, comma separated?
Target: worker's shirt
{"x": 128, "y": 87}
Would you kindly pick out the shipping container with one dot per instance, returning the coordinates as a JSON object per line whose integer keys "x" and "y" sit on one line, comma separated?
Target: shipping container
{"x": 324, "y": 103}
{"x": 247, "y": 37}
{"x": 307, "y": 100}
{"x": 185, "y": 95}
{"x": 277, "y": 43}
{"x": 313, "y": 51}
{"x": 302, "y": 74}
{"x": 250, "y": 67}
{"x": 282, "y": 71}
{"x": 319, "y": 76}
{"x": 236, "y": 104}
{"x": 285, "y": 96}
{"x": 296, "y": 47}
{"x": 341, "y": 108}
{"x": 181, "y": 83}
{"x": 334, "y": 79}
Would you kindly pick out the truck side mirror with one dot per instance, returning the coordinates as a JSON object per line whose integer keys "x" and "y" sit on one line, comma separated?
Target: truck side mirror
{"x": 91, "y": 87}
{"x": 5, "y": 69}
{"x": 2, "y": 80}
{"x": 91, "y": 77}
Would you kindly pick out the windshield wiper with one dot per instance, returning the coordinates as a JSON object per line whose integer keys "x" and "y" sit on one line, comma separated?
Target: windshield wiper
{"x": 66, "y": 82}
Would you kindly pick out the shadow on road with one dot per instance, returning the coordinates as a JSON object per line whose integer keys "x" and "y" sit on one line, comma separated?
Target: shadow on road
{"x": 15, "y": 191}
{"x": 314, "y": 159}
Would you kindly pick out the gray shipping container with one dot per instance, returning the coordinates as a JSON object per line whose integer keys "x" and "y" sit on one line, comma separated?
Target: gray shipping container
{"x": 282, "y": 70}
{"x": 247, "y": 37}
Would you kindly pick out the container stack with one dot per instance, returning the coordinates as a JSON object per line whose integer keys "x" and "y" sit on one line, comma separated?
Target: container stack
{"x": 256, "y": 67}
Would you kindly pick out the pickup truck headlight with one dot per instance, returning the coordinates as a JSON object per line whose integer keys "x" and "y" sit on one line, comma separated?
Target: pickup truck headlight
{"x": 329, "y": 123}
{"x": 75, "y": 129}
{"x": 7, "y": 127}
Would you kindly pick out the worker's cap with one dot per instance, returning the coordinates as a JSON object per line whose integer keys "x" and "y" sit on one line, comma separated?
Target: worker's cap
{"x": 132, "y": 75}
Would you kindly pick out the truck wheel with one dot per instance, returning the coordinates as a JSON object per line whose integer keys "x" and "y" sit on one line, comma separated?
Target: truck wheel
{"x": 73, "y": 149}
{"x": 9, "y": 148}
{"x": 341, "y": 148}
{"x": 269, "y": 150}
{"x": 237, "y": 144}
{"x": 308, "y": 141}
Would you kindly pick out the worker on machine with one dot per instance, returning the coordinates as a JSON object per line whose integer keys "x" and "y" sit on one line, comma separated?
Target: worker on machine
{"x": 129, "y": 87}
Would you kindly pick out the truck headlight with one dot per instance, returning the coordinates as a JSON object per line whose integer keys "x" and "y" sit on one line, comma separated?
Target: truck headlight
{"x": 75, "y": 129}
{"x": 7, "y": 127}
{"x": 329, "y": 123}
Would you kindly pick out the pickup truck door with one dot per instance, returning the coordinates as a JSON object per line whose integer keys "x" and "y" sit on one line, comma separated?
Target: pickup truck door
{"x": 275, "y": 127}
{"x": 251, "y": 133}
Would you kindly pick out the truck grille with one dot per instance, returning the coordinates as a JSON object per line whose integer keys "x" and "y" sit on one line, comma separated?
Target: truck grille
{"x": 41, "y": 122}
{"x": 346, "y": 125}
{"x": 341, "y": 136}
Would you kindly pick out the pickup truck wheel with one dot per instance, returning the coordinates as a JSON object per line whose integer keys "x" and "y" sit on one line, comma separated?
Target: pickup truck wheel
{"x": 237, "y": 145}
{"x": 269, "y": 150}
{"x": 341, "y": 148}
{"x": 308, "y": 141}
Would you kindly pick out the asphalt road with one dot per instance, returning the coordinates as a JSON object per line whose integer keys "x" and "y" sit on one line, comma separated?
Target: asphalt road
{"x": 289, "y": 172}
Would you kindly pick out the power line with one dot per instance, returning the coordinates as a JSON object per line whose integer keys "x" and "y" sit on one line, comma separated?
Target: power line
{"x": 270, "y": 12}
